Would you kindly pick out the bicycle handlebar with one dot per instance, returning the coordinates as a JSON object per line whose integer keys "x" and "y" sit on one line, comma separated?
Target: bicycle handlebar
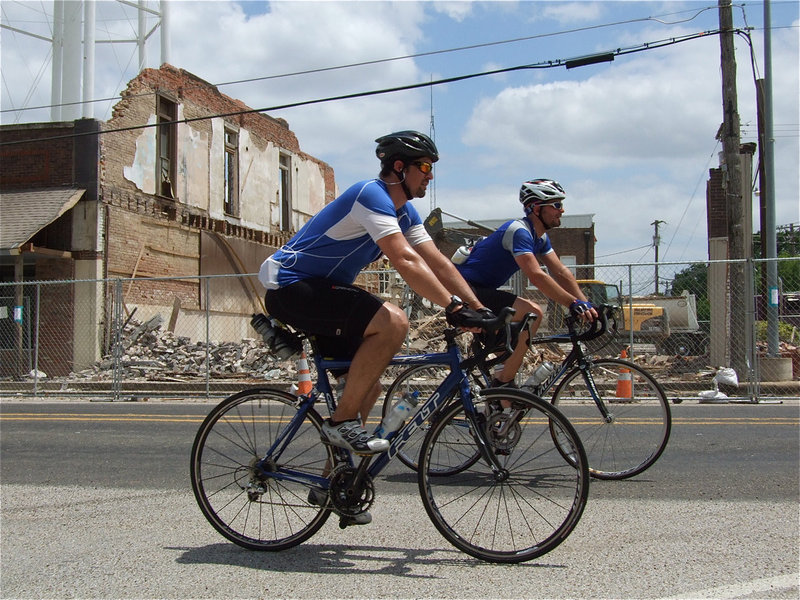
{"x": 598, "y": 327}
{"x": 500, "y": 336}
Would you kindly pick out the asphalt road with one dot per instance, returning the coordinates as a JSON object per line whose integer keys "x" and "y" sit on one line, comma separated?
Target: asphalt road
{"x": 95, "y": 502}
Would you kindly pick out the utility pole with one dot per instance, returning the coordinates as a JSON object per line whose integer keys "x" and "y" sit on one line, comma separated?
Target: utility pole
{"x": 769, "y": 233}
{"x": 656, "y": 243}
{"x": 732, "y": 184}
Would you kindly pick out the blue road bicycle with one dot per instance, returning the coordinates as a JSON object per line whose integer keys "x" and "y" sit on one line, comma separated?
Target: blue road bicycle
{"x": 492, "y": 477}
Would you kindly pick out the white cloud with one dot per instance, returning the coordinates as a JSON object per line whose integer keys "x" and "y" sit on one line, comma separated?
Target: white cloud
{"x": 636, "y": 137}
{"x": 458, "y": 11}
{"x": 301, "y": 36}
{"x": 573, "y": 12}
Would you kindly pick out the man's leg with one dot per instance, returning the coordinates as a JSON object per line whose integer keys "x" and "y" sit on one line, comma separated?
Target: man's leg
{"x": 512, "y": 365}
{"x": 383, "y": 338}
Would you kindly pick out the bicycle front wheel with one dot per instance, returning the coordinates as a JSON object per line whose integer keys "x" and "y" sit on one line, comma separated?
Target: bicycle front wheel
{"x": 635, "y": 432}
{"x": 253, "y": 491}
{"x": 525, "y": 508}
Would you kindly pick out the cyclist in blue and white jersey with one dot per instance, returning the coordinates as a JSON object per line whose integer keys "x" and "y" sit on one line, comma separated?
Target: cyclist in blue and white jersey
{"x": 309, "y": 280}
{"x": 522, "y": 244}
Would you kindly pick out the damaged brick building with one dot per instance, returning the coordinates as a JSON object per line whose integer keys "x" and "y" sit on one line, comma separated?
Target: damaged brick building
{"x": 182, "y": 180}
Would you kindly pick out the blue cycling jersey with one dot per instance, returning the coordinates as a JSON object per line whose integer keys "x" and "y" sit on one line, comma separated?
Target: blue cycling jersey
{"x": 340, "y": 240}
{"x": 492, "y": 260}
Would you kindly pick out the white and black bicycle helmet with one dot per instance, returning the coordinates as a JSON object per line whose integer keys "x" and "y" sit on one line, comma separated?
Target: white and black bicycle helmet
{"x": 540, "y": 191}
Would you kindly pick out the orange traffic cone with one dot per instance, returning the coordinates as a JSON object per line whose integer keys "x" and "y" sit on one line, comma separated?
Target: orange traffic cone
{"x": 303, "y": 375}
{"x": 624, "y": 381}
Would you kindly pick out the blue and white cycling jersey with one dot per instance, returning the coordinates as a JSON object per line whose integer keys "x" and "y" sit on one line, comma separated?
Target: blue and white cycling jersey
{"x": 340, "y": 240}
{"x": 492, "y": 260}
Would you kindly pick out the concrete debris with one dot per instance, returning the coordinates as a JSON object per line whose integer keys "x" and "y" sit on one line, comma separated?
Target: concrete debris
{"x": 150, "y": 352}
{"x": 154, "y": 354}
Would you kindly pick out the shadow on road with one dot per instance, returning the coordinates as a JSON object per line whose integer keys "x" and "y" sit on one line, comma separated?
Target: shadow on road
{"x": 337, "y": 558}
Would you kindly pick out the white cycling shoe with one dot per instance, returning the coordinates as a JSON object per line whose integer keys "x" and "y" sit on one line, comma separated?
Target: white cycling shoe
{"x": 352, "y": 436}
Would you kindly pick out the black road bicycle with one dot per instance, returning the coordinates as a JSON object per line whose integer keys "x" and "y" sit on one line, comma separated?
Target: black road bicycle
{"x": 619, "y": 410}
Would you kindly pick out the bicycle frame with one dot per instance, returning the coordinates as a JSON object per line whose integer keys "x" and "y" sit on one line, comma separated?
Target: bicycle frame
{"x": 457, "y": 378}
{"x": 577, "y": 357}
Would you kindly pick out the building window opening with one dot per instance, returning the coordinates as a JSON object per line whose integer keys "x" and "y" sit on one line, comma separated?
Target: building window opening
{"x": 167, "y": 114}
{"x": 231, "y": 199}
{"x": 285, "y": 192}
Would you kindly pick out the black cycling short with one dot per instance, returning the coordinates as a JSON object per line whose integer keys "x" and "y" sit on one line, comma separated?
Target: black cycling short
{"x": 336, "y": 314}
{"x": 494, "y": 300}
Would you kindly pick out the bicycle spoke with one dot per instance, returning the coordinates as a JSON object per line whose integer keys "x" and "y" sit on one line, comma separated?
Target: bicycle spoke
{"x": 637, "y": 428}
{"x": 244, "y": 493}
{"x": 524, "y": 510}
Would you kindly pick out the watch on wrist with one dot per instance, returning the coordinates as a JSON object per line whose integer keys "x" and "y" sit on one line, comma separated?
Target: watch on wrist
{"x": 455, "y": 302}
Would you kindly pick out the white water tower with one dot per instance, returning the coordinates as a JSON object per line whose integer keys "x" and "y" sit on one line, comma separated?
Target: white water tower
{"x": 74, "y": 38}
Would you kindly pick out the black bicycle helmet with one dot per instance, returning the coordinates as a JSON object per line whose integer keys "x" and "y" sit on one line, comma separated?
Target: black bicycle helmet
{"x": 405, "y": 144}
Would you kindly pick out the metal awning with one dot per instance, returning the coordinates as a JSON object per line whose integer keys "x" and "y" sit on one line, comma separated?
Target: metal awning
{"x": 24, "y": 213}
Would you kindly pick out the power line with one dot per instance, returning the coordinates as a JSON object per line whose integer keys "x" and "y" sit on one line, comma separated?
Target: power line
{"x": 624, "y": 251}
{"x": 606, "y": 56}
{"x": 696, "y": 12}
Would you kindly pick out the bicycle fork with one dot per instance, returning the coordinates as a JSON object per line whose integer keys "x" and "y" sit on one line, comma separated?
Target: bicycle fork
{"x": 586, "y": 372}
{"x": 479, "y": 425}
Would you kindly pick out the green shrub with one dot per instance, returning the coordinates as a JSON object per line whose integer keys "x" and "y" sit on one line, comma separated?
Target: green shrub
{"x": 784, "y": 332}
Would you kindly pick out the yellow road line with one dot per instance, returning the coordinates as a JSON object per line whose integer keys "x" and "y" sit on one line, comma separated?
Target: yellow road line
{"x": 26, "y": 416}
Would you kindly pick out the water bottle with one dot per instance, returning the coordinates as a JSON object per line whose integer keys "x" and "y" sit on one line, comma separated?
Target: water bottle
{"x": 540, "y": 375}
{"x": 461, "y": 255}
{"x": 282, "y": 342}
{"x": 398, "y": 415}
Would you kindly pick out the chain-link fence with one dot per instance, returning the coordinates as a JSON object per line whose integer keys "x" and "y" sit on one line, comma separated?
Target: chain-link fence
{"x": 190, "y": 337}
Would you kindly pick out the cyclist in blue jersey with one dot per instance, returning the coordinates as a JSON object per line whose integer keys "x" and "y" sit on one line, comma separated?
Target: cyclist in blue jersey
{"x": 522, "y": 244}
{"x": 309, "y": 280}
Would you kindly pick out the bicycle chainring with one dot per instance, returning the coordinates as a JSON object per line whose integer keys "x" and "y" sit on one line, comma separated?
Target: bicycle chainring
{"x": 503, "y": 431}
{"x": 346, "y": 499}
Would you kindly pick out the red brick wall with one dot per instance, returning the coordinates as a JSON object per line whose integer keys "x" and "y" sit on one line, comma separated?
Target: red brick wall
{"x": 716, "y": 207}
{"x": 36, "y": 164}
{"x": 199, "y": 99}
{"x": 57, "y": 305}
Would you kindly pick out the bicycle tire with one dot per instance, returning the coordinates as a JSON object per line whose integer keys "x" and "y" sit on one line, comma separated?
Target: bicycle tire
{"x": 531, "y": 507}
{"x": 241, "y": 501}
{"x": 423, "y": 379}
{"x": 639, "y": 426}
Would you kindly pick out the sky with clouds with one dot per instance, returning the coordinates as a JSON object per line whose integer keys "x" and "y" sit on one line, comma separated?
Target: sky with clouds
{"x": 630, "y": 140}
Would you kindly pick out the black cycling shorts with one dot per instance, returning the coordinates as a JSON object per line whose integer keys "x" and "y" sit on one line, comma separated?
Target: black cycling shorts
{"x": 336, "y": 314}
{"x": 493, "y": 299}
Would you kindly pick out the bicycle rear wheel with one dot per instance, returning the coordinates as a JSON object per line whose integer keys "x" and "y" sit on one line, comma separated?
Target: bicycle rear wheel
{"x": 248, "y": 500}
{"x": 527, "y": 508}
{"x": 637, "y": 429}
